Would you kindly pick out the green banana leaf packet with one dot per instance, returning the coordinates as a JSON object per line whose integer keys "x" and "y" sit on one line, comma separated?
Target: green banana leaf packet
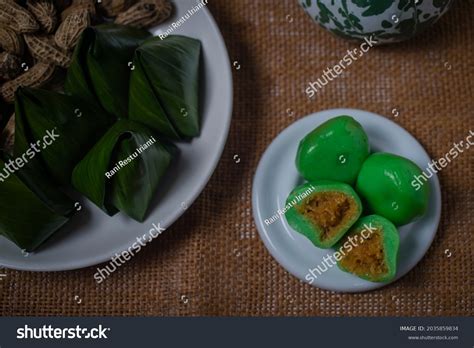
{"x": 164, "y": 86}
{"x": 101, "y": 65}
{"x": 123, "y": 170}
{"x": 108, "y": 129}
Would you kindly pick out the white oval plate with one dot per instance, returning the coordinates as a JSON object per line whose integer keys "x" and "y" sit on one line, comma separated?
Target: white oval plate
{"x": 92, "y": 237}
{"x": 276, "y": 177}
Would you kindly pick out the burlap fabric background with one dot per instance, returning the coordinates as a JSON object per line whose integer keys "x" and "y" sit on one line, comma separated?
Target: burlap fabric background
{"x": 212, "y": 262}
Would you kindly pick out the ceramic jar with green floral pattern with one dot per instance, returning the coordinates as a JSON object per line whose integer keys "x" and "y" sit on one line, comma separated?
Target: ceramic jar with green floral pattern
{"x": 385, "y": 20}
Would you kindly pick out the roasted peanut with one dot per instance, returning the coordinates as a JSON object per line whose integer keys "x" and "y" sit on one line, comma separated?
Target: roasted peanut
{"x": 45, "y": 13}
{"x": 17, "y": 18}
{"x": 71, "y": 29}
{"x": 36, "y": 76}
{"x": 145, "y": 13}
{"x": 10, "y": 41}
{"x": 45, "y": 50}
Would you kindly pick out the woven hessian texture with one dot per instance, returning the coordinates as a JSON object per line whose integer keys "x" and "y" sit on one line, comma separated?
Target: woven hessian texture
{"x": 212, "y": 261}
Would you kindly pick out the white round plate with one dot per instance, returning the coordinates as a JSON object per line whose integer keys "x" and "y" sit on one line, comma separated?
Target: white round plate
{"x": 276, "y": 177}
{"x": 92, "y": 237}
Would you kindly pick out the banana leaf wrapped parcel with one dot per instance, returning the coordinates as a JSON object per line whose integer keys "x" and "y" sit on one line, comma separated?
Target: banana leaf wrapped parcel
{"x": 164, "y": 86}
{"x": 31, "y": 208}
{"x": 102, "y": 61}
{"x": 60, "y": 128}
{"x": 123, "y": 170}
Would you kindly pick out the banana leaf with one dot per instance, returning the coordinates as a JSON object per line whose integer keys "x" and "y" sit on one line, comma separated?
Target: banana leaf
{"x": 101, "y": 66}
{"x": 57, "y": 130}
{"x": 164, "y": 87}
{"x": 116, "y": 175}
{"x": 25, "y": 218}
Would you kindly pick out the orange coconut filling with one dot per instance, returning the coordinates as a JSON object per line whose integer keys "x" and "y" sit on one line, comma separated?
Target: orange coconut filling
{"x": 368, "y": 257}
{"x": 329, "y": 211}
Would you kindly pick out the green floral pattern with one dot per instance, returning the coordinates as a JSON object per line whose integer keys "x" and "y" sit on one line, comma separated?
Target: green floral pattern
{"x": 386, "y": 20}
